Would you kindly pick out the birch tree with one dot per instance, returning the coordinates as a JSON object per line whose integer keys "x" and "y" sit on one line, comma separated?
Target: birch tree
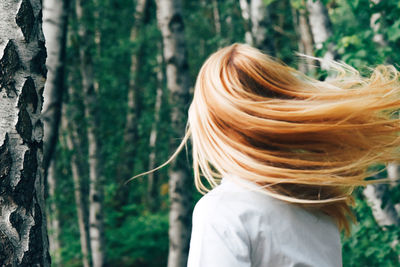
{"x": 55, "y": 19}
{"x": 23, "y": 235}
{"x": 151, "y": 186}
{"x": 130, "y": 132}
{"x": 170, "y": 21}
{"x": 96, "y": 228}
{"x": 73, "y": 145}
{"x": 321, "y": 28}
{"x": 305, "y": 39}
{"x": 257, "y": 20}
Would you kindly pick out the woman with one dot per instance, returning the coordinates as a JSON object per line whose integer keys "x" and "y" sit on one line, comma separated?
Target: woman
{"x": 289, "y": 150}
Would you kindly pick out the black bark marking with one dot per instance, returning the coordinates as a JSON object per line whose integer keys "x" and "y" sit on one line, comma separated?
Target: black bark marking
{"x": 6, "y": 251}
{"x": 26, "y": 19}
{"x": 9, "y": 64}
{"x": 16, "y": 221}
{"x": 96, "y": 198}
{"x": 34, "y": 255}
{"x": 5, "y": 166}
{"x": 24, "y": 125}
{"x": 28, "y": 96}
{"x": 38, "y": 63}
{"x": 176, "y": 23}
{"x": 25, "y": 189}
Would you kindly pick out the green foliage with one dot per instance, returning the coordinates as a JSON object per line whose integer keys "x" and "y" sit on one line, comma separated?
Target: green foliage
{"x": 369, "y": 244}
{"x": 136, "y": 235}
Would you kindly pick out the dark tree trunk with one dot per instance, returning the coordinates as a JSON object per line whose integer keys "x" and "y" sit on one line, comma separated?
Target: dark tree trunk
{"x": 151, "y": 186}
{"x": 126, "y": 166}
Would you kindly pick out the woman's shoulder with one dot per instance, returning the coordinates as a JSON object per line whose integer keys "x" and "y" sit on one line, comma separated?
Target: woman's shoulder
{"x": 237, "y": 198}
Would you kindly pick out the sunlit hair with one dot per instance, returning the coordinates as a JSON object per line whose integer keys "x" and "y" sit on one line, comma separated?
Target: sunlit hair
{"x": 302, "y": 140}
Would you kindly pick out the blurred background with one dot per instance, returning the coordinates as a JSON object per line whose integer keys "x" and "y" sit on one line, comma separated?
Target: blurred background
{"x": 120, "y": 80}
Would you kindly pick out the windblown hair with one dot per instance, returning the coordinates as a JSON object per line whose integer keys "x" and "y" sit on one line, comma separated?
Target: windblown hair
{"x": 302, "y": 140}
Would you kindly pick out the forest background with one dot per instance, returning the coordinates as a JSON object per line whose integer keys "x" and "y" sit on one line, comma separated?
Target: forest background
{"x": 120, "y": 79}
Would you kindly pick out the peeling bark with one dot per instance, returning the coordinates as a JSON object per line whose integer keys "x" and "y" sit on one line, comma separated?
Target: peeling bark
{"x": 23, "y": 235}
{"x": 170, "y": 21}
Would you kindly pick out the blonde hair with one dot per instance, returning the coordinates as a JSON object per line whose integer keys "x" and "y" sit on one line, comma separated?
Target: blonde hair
{"x": 302, "y": 140}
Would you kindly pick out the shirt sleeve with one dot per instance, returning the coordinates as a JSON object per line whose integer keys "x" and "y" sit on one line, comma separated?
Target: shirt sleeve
{"x": 218, "y": 239}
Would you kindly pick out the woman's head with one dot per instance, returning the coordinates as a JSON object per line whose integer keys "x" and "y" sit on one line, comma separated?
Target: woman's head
{"x": 305, "y": 140}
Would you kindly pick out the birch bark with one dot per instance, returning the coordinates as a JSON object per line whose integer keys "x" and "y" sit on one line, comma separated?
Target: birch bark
{"x": 321, "y": 28}
{"x": 55, "y": 19}
{"x": 23, "y": 235}
{"x": 170, "y": 21}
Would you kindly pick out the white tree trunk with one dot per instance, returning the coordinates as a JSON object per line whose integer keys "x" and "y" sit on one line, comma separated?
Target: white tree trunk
{"x": 384, "y": 212}
{"x": 306, "y": 43}
{"x": 321, "y": 28}
{"x": 55, "y": 17}
{"x": 260, "y": 22}
{"x": 170, "y": 20}
{"x": 23, "y": 235}
{"x": 73, "y": 145}
{"x": 246, "y": 14}
{"x": 53, "y": 223}
{"x": 96, "y": 229}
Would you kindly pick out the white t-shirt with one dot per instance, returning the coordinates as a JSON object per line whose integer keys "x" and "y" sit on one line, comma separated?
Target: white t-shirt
{"x": 234, "y": 226}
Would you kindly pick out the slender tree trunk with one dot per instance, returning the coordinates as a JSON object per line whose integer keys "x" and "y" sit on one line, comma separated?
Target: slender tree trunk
{"x": 170, "y": 20}
{"x": 384, "y": 211}
{"x": 260, "y": 26}
{"x": 257, "y": 21}
{"x": 55, "y": 18}
{"x": 55, "y": 21}
{"x": 151, "y": 188}
{"x": 53, "y": 223}
{"x": 96, "y": 228}
{"x": 23, "y": 235}
{"x": 127, "y": 161}
{"x": 321, "y": 28}
{"x": 217, "y": 19}
{"x": 246, "y": 14}
{"x": 305, "y": 40}
{"x": 73, "y": 145}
